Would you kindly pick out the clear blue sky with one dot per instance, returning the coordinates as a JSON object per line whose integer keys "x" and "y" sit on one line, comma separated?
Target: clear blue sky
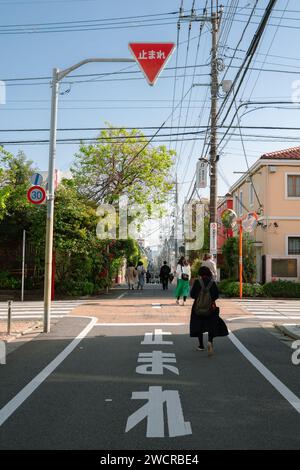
{"x": 92, "y": 103}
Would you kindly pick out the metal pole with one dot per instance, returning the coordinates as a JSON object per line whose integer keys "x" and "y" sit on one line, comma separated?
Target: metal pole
{"x": 107, "y": 276}
{"x": 23, "y": 265}
{"x": 241, "y": 258}
{"x": 176, "y": 221}
{"x": 57, "y": 76}
{"x": 9, "y": 317}
{"x": 214, "y": 111}
{"x": 50, "y": 203}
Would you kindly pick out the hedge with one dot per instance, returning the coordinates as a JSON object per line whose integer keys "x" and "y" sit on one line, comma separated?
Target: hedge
{"x": 232, "y": 289}
{"x": 287, "y": 289}
{"x": 276, "y": 289}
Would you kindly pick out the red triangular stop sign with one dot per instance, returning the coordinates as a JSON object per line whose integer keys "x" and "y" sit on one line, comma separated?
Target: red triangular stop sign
{"x": 151, "y": 57}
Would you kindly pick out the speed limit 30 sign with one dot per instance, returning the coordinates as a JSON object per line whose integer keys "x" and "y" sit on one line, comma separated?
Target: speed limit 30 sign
{"x": 36, "y": 195}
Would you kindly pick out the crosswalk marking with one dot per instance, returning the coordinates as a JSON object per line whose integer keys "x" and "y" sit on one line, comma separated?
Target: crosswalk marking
{"x": 280, "y": 309}
{"x": 35, "y": 309}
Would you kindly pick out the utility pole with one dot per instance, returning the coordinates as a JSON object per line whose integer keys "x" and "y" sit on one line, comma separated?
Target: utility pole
{"x": 214, "y": 19}
{"x": 213, "y": 117}
{"x": 176, "y": 220}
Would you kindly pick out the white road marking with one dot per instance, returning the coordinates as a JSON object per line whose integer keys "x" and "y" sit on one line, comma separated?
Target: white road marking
{"x": 141, "y": 324}
{"x": 121, "y": 296}
{"x": 28, "y": 317}
{"x": 284, "y": 391}
{"x": 19, "y": 399}
{"x": 153, "y": 410}
{"x": 282, "y": 308}
{"x": 35, "y": 309}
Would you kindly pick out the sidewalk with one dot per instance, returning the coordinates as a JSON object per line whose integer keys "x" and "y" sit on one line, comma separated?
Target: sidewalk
{"x": 137, "y": 308}
{"x": 291, "y": 330}
{"x": 18, "y": 328}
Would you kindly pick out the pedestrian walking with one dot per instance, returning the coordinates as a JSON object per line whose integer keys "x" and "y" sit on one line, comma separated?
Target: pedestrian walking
{"x": 164, "y": 275}
{"x": 148, "y": 276}
{"x": 140, "y": 275}
{"x": 183, "y": 273}
{"x": 131, "y": 275}
{"x": 209, "y": 263}
{"x": 205, "y": 314}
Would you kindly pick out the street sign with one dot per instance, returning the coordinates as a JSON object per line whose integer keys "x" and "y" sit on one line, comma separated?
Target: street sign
{"x": 213, "y": 238}
{"x": 36, "y": 195}
{"x": 151, "y": 57}
{"x": 201, "y": 171}
{"x": 36, "y": 179}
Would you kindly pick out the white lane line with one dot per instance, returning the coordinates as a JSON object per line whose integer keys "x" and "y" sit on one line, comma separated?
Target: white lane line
{"x": 267, "y": 374}
{"x": 141, "y": 324}
{"x": 254, "y": 319}
{"x": 17, "y": 401}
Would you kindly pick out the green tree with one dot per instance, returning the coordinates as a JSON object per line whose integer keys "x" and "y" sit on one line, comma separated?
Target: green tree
{"x": 230, "y": 252}
{"x": 15, "y": 210}
{"x": 119, "y": 165}
{"x": 82, "y": 262}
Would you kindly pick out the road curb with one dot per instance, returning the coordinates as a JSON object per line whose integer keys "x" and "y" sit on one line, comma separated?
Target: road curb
{"x": 288, "y": 330}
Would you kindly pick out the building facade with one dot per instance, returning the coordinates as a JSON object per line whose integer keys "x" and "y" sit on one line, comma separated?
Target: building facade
{"x": 271, "y": 188}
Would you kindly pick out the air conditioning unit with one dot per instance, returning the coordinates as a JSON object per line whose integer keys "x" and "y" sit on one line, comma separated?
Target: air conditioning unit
{"x": 272, "y": 169}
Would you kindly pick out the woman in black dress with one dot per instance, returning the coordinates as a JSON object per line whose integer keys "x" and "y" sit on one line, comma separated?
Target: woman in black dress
{"x": 212, "y": 323}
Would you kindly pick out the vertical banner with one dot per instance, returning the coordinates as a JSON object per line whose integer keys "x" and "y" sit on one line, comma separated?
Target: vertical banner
{"x": 201, "y": 172}
{"x": 213, "y": 238}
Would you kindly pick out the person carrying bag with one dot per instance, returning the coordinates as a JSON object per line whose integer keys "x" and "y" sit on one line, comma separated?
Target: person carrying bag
{"x": 183, "y": 273}
{"x": 205, "y": 314}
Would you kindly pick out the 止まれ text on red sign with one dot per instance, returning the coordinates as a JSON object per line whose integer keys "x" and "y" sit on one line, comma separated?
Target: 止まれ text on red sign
{"x": 152, "y": 57}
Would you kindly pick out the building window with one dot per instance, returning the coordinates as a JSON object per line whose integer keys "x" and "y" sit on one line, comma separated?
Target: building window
{"x": 241, "y": 204}
{"x": 293, "y": 245}
{"x": 251, "y": 194}
{"x": 293, "y": 185}
{"x": 236, "y": 204}
{"x": 284, "y": 268}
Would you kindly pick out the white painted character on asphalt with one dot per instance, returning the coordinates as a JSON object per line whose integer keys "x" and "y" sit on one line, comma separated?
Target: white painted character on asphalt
{"x": 296, "y": 354}
{"x": 153, "y": 410}
{"x": 156, "y": 337}
{"x": 158, "y": 361}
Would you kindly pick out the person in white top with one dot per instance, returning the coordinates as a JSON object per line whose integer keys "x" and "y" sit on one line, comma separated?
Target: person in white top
{"x": 210, "y": 264}
{"x": 183, "y": 273}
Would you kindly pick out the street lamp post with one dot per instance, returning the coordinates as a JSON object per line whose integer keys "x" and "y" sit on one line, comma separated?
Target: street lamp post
{"x": 57, "y": 77}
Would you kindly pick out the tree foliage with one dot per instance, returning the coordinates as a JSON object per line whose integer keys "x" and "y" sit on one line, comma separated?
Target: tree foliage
{"x": 230, "y": 252}
{"x": 120, "y": 164}
{"x": 83, "y": 264}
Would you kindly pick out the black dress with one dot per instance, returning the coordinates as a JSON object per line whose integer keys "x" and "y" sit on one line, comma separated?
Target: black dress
{"x": 212, "y": 324}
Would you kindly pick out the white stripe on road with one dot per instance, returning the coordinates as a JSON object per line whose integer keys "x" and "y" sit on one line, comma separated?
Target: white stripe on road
{"x": 141, "y": 324}
{"x": 19, "y": 399}
{"x": 267, "y": 374}
{"x": 121, "y": 296}
{"x": 24, "y": 317}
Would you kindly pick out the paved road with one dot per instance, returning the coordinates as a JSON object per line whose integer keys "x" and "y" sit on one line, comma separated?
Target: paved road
{"x": 144, "y": 386}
